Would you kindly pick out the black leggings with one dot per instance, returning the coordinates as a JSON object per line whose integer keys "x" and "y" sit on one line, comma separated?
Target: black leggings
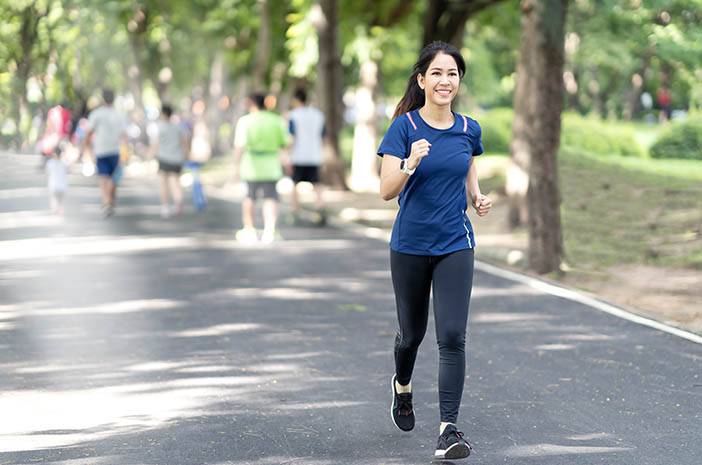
{"x": 452, "y": 278}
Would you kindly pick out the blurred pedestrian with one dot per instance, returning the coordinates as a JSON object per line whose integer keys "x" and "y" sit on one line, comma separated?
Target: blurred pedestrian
{"x": 664, "y": 101}
{"x": 107, "y": 129}
{"x": 307, "y": 130}
{"x": 57, "y": 180}
{"x": 428, "y": 155}
{"x": 259, "y": 139}
{"x": 169, "y": 143}
{"x": 56, "y": 131}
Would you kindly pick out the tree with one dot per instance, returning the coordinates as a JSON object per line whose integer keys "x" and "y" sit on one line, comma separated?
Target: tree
{"x": 330, "y": 83}
{"x": 445, "y": 20}
{"x": 538, "y": 104}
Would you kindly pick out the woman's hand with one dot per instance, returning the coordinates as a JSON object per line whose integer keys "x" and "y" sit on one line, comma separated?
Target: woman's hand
{"x": 419, "y": 150}
{"x": 482, "y": 204}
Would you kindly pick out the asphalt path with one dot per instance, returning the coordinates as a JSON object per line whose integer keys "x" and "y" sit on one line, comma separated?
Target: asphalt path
{"x": 138, "y": 340}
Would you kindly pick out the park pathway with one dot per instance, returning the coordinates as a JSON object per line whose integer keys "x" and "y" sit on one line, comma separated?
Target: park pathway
{"x": 137, "y": 340}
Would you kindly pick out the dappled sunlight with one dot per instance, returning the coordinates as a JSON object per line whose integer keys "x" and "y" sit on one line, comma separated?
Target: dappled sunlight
{"x": 29, "y": 219}
{"x": 93, "y": 414}
{"x": 344, "y": 283}
{"x": 589, "y": 437}
{"x": 19, "y": 274}
{"x": 28, "y": 249}
{"x": 506, "y": 317}
{"x": 129, "y": 306}
{"x": 554, "y": 347}
{"x": 281, "y": 293}
{"x": 205, "y": 369}
{"x": 218, "y": 330}
{"x": 294, "y": 356}
{"x": 20, "y": 192}
{"x": 511, "y": 292}
{"x": 54, "y": 368}
{"x": 7, "y": 326}
{"x": 320, "y": 405}
{"x": 590, "y": 337}
{"x": 538, "y": 450}
{"x": 155, "y": 366}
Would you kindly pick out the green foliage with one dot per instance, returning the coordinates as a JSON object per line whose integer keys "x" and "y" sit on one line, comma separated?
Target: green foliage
{"x": 592, "y": 135}
{"x": 681, "y": 140}
{"x": 497, "y": 129}
{"x": 599, "y": 137}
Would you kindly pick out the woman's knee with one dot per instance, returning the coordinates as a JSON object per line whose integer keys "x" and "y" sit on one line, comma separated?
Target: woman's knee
{"x": 453, "y": 339}
{"x": 408, "y": 341}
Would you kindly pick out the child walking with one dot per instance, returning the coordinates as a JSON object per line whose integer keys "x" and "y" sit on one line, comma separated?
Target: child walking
{"x": 57, "y": 177}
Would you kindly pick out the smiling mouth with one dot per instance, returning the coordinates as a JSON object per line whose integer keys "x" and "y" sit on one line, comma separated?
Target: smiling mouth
{"x": 443, "y": 91}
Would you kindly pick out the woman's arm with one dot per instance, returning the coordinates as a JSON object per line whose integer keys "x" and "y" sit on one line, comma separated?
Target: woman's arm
{"x": 392, "y": 180}
{"x": 481, "y": 203}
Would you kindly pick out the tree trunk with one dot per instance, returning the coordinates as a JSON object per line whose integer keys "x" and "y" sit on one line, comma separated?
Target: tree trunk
{"x": 538, "y": 107}
{"x": 215, "y": 91}
{"x": 330, "y": 82}
{"x": 364, "y": 168}
{"x": 263, "y": 48}
{"x": 28, "y": 37}
{"x": 445, "y": 20}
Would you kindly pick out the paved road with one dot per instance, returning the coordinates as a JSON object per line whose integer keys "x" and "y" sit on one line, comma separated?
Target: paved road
{"x": 135, "y": 340}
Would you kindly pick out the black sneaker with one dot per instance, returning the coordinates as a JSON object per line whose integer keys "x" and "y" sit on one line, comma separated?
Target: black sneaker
{"x": 401, "y": 409}
{"x": 451, "y": 445}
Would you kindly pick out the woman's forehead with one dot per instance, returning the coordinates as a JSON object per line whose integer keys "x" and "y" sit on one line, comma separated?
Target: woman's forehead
{"x": 443, "y": 61}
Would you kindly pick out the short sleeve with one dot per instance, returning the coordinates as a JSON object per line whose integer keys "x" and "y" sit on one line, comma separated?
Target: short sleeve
{"x": 240, "y": 133}
{"x": 283, "y": 133}
{"x": 92, "y": 120}
{"x": 395, "y": 140}
{"x": 477, "y": 136}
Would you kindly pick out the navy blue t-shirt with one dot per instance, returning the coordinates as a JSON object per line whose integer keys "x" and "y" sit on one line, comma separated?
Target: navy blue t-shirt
{"x": 432, "y": 219}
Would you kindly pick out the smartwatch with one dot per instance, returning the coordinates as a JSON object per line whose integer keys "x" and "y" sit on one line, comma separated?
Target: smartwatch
{"x": 405, "y": 169}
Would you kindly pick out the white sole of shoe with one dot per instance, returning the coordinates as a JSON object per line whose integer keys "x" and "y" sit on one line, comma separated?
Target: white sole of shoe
{"x": 392, "y": 404}
{"x": 455, "y": 451}
{"x": 392, "y": 401}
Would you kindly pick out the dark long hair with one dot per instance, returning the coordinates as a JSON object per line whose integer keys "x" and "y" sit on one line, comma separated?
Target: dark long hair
{"x": 414, "y": 95}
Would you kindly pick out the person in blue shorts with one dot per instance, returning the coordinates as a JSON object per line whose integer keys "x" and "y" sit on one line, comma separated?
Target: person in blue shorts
{"x": 427, "y": 161}
{"x": 107, "y": 129}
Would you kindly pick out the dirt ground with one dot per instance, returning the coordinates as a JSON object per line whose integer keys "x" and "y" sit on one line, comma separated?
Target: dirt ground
{"x": 672, "y": 296}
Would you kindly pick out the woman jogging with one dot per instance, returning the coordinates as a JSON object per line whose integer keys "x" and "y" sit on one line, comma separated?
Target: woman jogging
{"x": 427, "y": 160}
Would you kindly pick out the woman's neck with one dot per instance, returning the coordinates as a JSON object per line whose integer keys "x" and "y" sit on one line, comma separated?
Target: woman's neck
{"x": 438, "y": 116}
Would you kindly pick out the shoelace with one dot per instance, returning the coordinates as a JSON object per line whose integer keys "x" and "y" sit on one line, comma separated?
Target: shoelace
{"x": 460, "y": 435}
{"x": 404, "y": 404}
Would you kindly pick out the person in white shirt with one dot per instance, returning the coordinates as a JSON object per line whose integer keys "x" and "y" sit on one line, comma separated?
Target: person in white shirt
{"x": 170, "y": 145}
{"x": 307, "y": 130}
{"x": 57, "y": 177}
{"x": 107, "y": 128}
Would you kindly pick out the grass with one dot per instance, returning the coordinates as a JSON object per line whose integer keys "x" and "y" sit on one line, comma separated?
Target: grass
{"x": 624, "y": 210}
{"x": 627, "y": 211}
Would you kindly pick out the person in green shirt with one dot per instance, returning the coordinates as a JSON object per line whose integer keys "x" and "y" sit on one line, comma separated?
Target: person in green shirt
{"x": 259, "y": 140}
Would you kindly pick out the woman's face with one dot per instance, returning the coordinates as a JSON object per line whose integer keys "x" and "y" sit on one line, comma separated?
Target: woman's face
{"x": 441, "y": 81}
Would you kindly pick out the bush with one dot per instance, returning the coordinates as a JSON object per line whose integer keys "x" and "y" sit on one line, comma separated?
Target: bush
{"x": 588, "y": 134}
{"x": 599, "y": 137}
{"x": 497, "y": 129}
{"x": 681, "y": 140}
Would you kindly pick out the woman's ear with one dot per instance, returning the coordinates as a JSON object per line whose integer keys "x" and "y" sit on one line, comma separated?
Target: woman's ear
{"x": 420, "y": 81}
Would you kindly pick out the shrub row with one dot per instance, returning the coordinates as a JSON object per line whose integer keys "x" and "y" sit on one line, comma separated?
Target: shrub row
{"x": 680, "y": 140}
{"x": 589, "y": 134}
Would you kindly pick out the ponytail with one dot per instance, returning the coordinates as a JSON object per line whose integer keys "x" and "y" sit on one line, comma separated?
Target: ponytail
{"x": 413, "y": 98}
